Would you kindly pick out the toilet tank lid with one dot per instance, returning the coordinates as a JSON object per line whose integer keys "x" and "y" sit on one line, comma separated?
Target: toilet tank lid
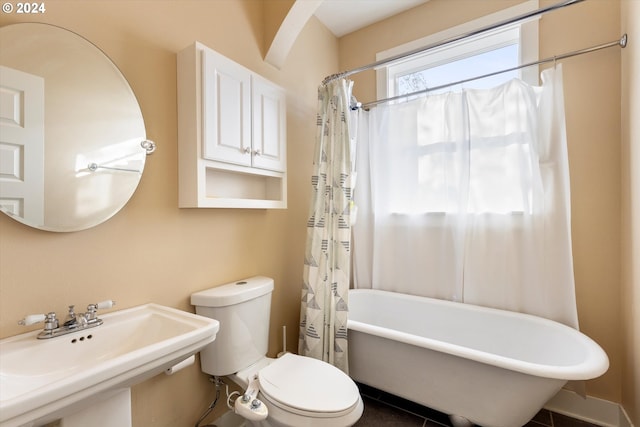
{"x": 233, "y": 293}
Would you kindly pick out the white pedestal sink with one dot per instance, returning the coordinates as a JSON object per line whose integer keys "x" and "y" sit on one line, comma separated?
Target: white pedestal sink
{"x": 90, "y": 371}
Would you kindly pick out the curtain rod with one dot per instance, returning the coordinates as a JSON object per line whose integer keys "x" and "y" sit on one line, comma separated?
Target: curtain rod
{"x": 449, "y": 40}
{"x": 622, "y": 42}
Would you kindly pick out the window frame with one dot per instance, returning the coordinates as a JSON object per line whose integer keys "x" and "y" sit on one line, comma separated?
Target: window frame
{"x": 527, "y": 36}
{"x": 468, "y": 48}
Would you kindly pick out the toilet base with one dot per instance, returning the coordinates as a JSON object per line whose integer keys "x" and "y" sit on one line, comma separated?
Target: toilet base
{"x": 280, "y": 418}
{"x": 228, "y": 419}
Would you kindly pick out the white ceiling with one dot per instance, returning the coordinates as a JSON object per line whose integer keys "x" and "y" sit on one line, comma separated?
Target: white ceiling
{"x": 345, "y": 16}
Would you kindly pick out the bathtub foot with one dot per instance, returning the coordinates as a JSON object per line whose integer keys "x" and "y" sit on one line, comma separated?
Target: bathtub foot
{"x": 460, "y": 421}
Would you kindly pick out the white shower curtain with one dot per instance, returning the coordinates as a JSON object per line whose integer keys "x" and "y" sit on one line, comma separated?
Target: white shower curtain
{"x": 323, "y": 317}
{"x": 465, "y": 196}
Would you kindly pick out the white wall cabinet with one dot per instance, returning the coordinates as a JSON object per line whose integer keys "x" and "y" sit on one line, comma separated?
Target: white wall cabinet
{"x": 231, "y": 134}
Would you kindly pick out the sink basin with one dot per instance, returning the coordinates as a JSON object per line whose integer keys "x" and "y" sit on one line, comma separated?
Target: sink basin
{"x": 39, "y": 379}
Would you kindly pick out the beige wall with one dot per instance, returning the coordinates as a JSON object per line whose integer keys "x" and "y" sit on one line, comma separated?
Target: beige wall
{"x": 630, "y": 14}
{"x": 151, "y": 250}
{"x": 592, "y": 102}
{"x": 592, "y": 93}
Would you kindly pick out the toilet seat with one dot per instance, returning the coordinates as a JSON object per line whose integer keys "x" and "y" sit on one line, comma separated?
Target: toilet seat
{"x": 308, "y": 387}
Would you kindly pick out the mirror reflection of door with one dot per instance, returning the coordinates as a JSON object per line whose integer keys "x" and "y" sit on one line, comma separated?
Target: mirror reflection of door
{"x": 22, "y": 144}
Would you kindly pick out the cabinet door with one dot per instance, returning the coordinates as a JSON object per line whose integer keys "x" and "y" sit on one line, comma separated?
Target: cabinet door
{"x": 269, "y": 125}
{"x": 226, "y": 109}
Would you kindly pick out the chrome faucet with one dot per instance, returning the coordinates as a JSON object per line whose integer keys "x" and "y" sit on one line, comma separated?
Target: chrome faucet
{"x": 71, "y": 320}
{"x": 74, "y": 322}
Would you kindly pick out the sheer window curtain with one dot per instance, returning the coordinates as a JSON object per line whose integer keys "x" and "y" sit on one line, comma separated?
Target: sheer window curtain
{"x": 327, "y": 267}
{"x": 465, "y": 196}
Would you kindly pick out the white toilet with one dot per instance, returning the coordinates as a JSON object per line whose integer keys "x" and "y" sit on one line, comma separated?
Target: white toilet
{"x": 296, "y": 390}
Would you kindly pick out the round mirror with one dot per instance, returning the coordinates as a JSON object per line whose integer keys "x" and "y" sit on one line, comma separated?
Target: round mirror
{"x": 72, "y": 136}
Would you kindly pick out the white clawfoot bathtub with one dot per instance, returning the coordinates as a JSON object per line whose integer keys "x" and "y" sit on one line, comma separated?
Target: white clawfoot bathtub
{"x": 494, "y": 367}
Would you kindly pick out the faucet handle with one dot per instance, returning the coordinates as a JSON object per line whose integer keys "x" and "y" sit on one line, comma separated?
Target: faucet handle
{"x": 50, "y": 320}
{"x": 105, "y": 304}
{"x": 32, "y": 319}
{"x": 93, "y": 308}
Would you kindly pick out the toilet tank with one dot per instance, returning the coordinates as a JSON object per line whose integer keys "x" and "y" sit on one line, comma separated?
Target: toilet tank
{"x": 243, "y": 309}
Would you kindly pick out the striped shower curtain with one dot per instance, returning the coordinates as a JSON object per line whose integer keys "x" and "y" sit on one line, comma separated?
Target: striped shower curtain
{"x": 323, "y": 317}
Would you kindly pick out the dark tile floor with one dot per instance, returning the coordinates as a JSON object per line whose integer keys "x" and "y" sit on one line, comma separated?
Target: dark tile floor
{"x": 385, "y": 410}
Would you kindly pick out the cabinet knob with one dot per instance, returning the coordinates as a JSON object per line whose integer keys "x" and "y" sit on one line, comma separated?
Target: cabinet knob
{"x": 246, "y": 150}
{"x": 256, "y": 152}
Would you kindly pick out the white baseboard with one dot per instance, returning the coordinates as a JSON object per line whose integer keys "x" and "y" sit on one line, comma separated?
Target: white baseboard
{"x": 591, "y": 409}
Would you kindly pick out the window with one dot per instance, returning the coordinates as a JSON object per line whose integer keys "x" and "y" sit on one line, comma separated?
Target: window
{"x": 466, "y": 59}
{"x": 496, "y": 165}
{"x": 488, "y": 52}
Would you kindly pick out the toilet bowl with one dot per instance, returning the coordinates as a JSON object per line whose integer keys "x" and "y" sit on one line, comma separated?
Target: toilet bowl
{"x": 296, "y": 390}
{"x": 302, "y": 391}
